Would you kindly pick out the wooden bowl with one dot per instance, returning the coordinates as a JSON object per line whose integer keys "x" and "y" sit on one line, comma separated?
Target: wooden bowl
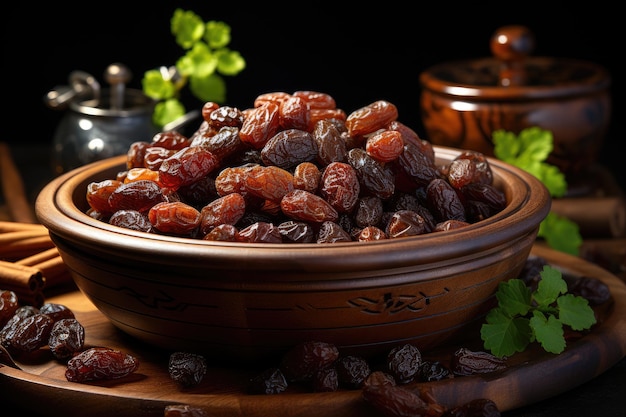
{"x": 464, "y": 102}
{"x": 241, "y": 302}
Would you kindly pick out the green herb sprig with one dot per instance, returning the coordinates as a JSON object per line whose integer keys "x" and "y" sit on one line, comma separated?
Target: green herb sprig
{"x": 206, "y": 59}
{"x": 529, "y": 151}
{"x": 523, "y": 317}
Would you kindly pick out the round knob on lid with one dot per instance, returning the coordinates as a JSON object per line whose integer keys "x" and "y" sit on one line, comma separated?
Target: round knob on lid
{"x": 512, "y": 45}
{"x": 117, "y": 75}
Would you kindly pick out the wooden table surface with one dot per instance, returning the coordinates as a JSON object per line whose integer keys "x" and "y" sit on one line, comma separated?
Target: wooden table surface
{"x": 603, "y": 395}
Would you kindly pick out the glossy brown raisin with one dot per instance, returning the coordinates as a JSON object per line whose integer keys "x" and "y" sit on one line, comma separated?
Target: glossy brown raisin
{"x": 155, "y": 155}
{"x": 56, "y": 311}
{"x": 468, "y": 362}
{"x": 208, "y": 108}
{"x": 307, "y": 177}
{"x": 325, "y": 380}
{"x": 225, "y": 116}
{"x": 434, "y": 371}
{"x": 331, "y": 146}
{"x": 175, "y": 218}
{"x": 9, "y": 304}
{"x": 403, "y": 363}
{"x": 288, "y": 148}
{"x": 131, "y": 219}
{"x": 417, "y": 165}
{"x": 385, "y": 145}
{"x": 137, "y": 195}
{"x": 370, "y": 118}
{"x": 450, "y": 225}
{"x": 482, "y": 171}
{"x": 485, "y": 193}
{"x": 340, "y": 186}
{"x": 369, "y": 211}
{"x": 171, "y": 140}
{"x": 223, "y": 233}
{"x": 325, "y": 114}
{"x": 100, "y": 363}
{"x": 352, "y": 371}
{"x": 444, "y": 202}
{"x": 269, "y": 381}
{"x": 302, "y": 361}
{"x": 135, "y": 154}
{"x": 296, "y": 232}
{"x": 186, "y": 166}
{"x": 405, "y": 223}
{"x": 66, "y": 338}
{"x": 372, "y": 175}
{"x": 187, "y": 369}
{"x": 269, "y": 182}
{"x": 316, "y": 99}
{"x": 228, "y": 209}
{"x": 275, "y": 97}
{"x": 260, "y": 124}
{"x": 221, "y": 144}
{"x": 260, "y": 232}
{"x": 28, "y": 334}
{"x": 308, "y": 207}
{"x": 371, "y": 233}
{"x": 332, "y": 232}
{"x": 98, "y": 194}
{"x": 294, "y": 113}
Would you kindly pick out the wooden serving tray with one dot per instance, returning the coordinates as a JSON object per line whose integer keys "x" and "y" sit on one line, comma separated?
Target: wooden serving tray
{"x": 39, "y": 386}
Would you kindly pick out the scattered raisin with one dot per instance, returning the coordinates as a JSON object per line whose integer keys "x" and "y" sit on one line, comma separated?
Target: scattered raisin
{"x": 187, "y": 369}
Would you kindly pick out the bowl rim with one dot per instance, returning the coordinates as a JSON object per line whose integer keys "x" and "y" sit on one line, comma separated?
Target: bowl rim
{"x": 56, "y": 209}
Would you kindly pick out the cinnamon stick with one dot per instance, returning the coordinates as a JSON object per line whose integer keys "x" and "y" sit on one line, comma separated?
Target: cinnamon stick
{"x": 13, "y": 188}
{"x": 10, "y": 237}
{"x": 6, "y": 226}
{"x": 20, "y": 277}
{"x": 21, "y": 248}
{"x": 39, "y": 257}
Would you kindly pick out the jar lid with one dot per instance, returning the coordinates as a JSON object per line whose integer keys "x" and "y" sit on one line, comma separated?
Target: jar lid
{"x": 512, "y": 74}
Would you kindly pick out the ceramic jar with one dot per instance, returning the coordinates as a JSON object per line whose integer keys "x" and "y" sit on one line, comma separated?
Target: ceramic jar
{"x": 464, "y": 102}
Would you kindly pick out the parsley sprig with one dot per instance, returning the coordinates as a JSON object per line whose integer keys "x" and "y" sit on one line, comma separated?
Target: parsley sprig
{"x": 529, "y": 151}
{"x": 206, "y": 59}
{"x": 524, "y": 316}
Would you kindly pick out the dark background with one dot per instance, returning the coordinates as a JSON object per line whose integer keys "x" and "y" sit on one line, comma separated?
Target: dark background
{"x": 358, "y": 55}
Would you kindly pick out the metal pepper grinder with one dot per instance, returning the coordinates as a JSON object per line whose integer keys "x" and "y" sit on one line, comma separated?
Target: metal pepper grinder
{"x": 98, "y": 124}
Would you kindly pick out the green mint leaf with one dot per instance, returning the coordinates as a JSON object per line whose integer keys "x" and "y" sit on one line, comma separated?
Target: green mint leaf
{"x": 211, "y": 88}
{"x": 548, "y": 331}
{"x": 206, "y": 53}
{"x": 198, "y": 62}
{"x": 167, "y": 111}
{"x": 514, "y": 297}
{"x": 550, "y": 287}
{"x": 528, "y": 151}
{"x": 561, "y": 233}
{"x": 575, "y": 312}
{"x": 217, "y": 34}
{"x": 506, "y": 146}
{"x": 536, "y": 143}
{"x": 229, "y": 62}
{"x": 156, "y": 87}
{"x": 187, "y": 27}
{"x": 503, "y": 335}
{"x": 553, "y": 179}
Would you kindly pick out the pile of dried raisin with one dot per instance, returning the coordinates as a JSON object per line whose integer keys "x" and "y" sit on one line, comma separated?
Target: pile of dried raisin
{"x": 25, "y": 329}
{"x": 295, "y": 168}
